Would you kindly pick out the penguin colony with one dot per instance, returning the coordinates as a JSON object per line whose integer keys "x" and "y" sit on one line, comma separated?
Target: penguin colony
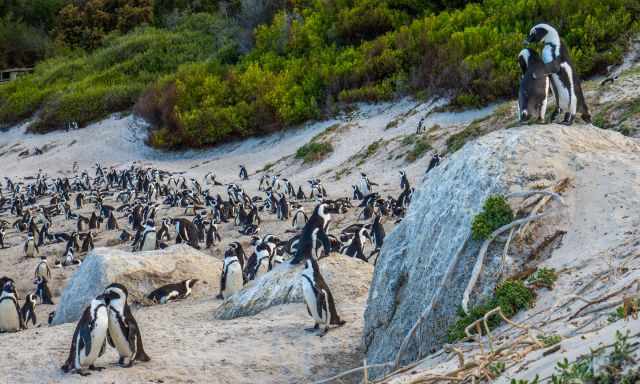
{"x": 133, "y": 203}
{"x": 133, "y": 200}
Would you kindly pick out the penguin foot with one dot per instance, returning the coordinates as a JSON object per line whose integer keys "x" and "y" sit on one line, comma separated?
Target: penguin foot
{"x": 566, "y": 122}
{"x": 94, "y": 368}
{"x": 82, "y": 373}
{"x": 323, "y": 332}
{"x": 312, "y": 329}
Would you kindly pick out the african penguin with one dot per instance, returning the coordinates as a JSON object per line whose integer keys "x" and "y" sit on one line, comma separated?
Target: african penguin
{"x": 89, "y": 337}
{"x": 124, "y": 334}
{"x": 231, "y": 279}
{"x": 557, "y": 64}
{"x": 30, "y": 246}
{"x": 42, "y": 290}
{"x": 172, "y": 292}
{"x": 149, "y": 241}
{"x": 534, "y": 87}
{"x": 318, "y": 299}
{"x": 10, "y": 316}
{"x": 28, "y": 310}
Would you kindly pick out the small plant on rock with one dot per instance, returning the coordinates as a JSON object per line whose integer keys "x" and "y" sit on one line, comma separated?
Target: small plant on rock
{"x": 495, "y": 214}
{"x": 543, "y": 278}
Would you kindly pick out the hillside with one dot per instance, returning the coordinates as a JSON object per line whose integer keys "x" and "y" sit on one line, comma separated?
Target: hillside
{"x": 205, "y": 73}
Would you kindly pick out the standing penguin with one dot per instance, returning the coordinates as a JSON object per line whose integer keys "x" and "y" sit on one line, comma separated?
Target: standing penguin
{"x": 243, "y": 173}
{"x": 28, "y": 310}
{"x": 314, "y": 231}
{"x": 30, "y": 246}
{"x": 534, "y": 86}
{"x": 42, "y": 290}
{"x": 212, "y": 235}
{"x": 42, "y": 269}
{"x": 112, "y": 223}
{"x": 149, "y": 240}
{"x": 124, "y": 334}
{"x": 557, "y": 64}
{"x": 172, "y": 292}
{"x": 10, "y": 317}
{"x": 355, "y": 247}
{"x": 318, "y": 299}
{"x": 231, "y": 280}
{"x": 89, "y": 337}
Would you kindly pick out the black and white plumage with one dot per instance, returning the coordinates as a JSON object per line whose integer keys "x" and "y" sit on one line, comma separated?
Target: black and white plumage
{"x": 28, "y": 310}
{"x": 124, "y": 333}
{"x": 88, "y": 342}
{"x": 42, "y": 290}
{"x": 314, "y": 231}
{"x": 558, "y": 65}
{"x": 534, "y": 87}
{"x": 42, "y": 269}
{"x": 243, "y": 173}
{"x": 355, "y": 246}
{"x": 299, "y": 218}
{"x": 10, "y": 316}
{"x": 318, "y": 298}
{"x": 148, "y": 239}
{"x": 171, "y": 292}
{"x": 31, "y": 247}
{"x": 231, "y": 279}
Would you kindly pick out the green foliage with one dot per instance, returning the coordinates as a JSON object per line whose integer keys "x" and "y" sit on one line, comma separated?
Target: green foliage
{"x": 623, "y": 311}
{"x": 620, "y": 367}
{"x": 307, "y": 56}
{"x": 420, "y": 146}
{"x": 543, "y": 277}
{"x": 495, "y": 214}
{"x": 511, "y": 296}
{"x": 497, "y": 368}
{"x": 458, "y": 140}
{"x": 314, "y": 151}
{"x": 549, "y": 340}
{"x": 87, "y": 87}
{"x": 535, "y": 380}
{"x": 86, "y": 24}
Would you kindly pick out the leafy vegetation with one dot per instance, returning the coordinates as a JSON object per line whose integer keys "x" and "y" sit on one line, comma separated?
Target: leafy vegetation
{"x": 91, "y": 86}
{"x": 314, "y": 151}
{"x": 458, "y": 140}
{"x": 421, "y": 145}
{"x": 257, "y": 68}
{"x": 550, "y": 340}
{"x": 616, "y": 367}
{"x": 495, "y": 214}
{"x": 511, "y": 296}
{"x": 543, "y": 278}
{"x": 623, "y": 311}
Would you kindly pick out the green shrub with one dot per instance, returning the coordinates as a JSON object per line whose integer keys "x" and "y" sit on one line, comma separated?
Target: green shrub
{"x": 543, "y": 278}
{"x": 549, "y": 340}
{"x": 313, "y": 151}
{"x": 458, "y": 140}
{"x": 420, "y": 147}
{"x": 495, "y": 214}
{"x": 511, "y": 296}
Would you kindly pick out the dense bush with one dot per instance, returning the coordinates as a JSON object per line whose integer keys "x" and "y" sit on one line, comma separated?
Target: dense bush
{"x": 314, "y": 151}
{"x": 495, "y": 214}
{"x": 91, "y": 86}
{"x": 311, "y": 55}
{"x": 511, "y": 296}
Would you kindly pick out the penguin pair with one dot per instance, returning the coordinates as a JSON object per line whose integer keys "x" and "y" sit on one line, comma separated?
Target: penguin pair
{"x": 107, "y": 319}
{"x": 565, "y": 80}
{"x": 171, "y": 292}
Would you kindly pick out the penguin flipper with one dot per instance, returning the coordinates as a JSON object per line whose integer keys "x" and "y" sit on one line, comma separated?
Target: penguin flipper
{"x": 326, "y": 243}
{"x": 110, "y": 340}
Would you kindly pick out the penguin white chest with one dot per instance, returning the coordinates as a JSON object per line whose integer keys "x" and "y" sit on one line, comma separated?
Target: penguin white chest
{"x": 31, "y": 250}
{"x": 117, "y": 335}
{"x": 310, "y": 298}
{"x": 233, "y": 281}
{"x": 149, "y": 243}
{"x": 9, "y": 320}
{"x": 98, "y": 336}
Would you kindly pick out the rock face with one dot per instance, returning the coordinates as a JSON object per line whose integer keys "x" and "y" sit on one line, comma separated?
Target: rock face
{"x": 347, "y": 278}
{"x": 140, "y": 272}
{"x": 418, "y": 253}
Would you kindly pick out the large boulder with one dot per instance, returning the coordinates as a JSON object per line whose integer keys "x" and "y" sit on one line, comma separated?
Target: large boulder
{"x": 410, "y": 274}
{"x": 348, "y": 278}
{"x": 140, "y": 272}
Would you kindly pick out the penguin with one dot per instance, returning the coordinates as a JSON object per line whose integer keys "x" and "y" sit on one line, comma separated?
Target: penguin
{"x": 52, "y": 315}
{"x": 299, "y": 223}
{"x": 434, "y": 162}
{"x": 172, "y": 292}
{"x": 89, "y": 337}
{"x": 28, "y": 310}
{"x": 557, "y": 64}
{"x": 313, "y": 231}
{"x": 112, "y": 223}
{"x": 357, "y": 195}
{"x": 263, "y": 255}
{"x": 87, "y": 244}
{"x": 30, "y": 246}
{"x": 10, "y": 316}
{"x": 377, "y": 236}
{"x": 148, "y": 241}
{"x": 534, "y": 86}
{"x": 231, "y": 279}
{"x": 243, "y": 173}
{"x": 187, "y": 231}
{"x": 318, "y": 299}
{"x": 163, "y": 232}
{"x": 2, "y": 236}
{"x": 355, "y": 248}
{"x": 42, "y": 269}
{"x": 124, "y": 333}
{"x": 94, "y": 221}
{"x": 42, "y": 290}
{"x": 212, "y": 235}
{"x": 300, "y": 195}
